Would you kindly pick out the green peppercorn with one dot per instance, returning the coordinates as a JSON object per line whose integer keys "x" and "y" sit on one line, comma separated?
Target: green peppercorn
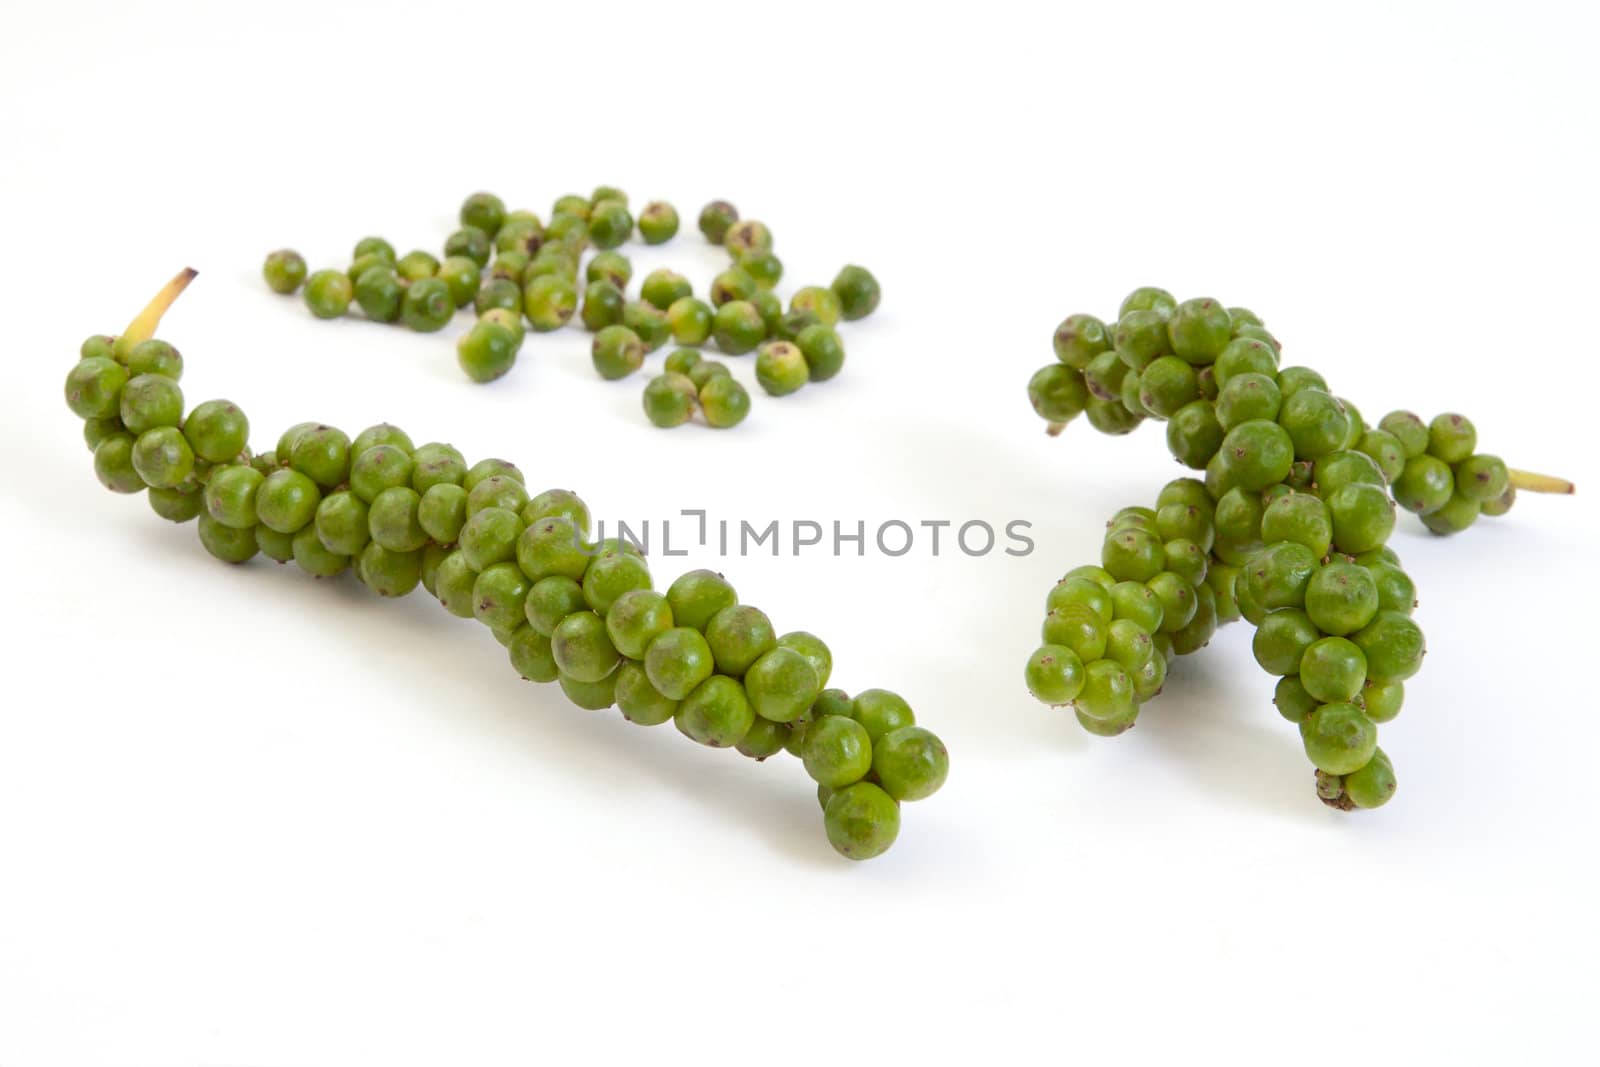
{"x": 648, "y": 322}
{"x": 463, "y": 276}
{"x": 524, "y": 236}
{"x": 747, "y": 236}
{"x": 705, "y": 369}
{"x": 549, "y": 301}
{"x": 781, "y": 368}
{"x": 610, "y": 224}
{"x": 483, "y": 211}
{"x": 764, "y": 268}
{"x": 617, "y": 352}
{"x": 284, "y": 270}
{"x": 738, "y": 328}
{"x": 486, "y": 351}
{"x": 379, "y": 293}
{"x": 690, "y": 321}
{"x": 724, "y": 401}
{"x": 613, "y": 267}
{"x": 428, "y": 305}
{"x": 602, "y": 305}
{"x": 819, "y": 300}
{"x": 732, "y": 284}
{"x": 94, "y": 387}
{"x": 471, "y": 243}
{"x": 217, "y": 431}
{"x": 658, "y": 222}
{"x": 858, "y": 292}
{"x": 715, "y": 220}
{"x": 499, "y": 293}
{"x": 670, "y": 400}
{"x": 414, "y": 266}
{"x": 664, "y": 287}
{"x": 328, "y": 293}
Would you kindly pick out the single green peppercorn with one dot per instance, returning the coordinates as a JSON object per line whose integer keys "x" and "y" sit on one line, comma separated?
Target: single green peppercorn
{"x": 738, "y": 636}
{"x": 738, "y": 327}
{"x": 663, "y": 287}
{"x": 837, "y": 751}
{"x": 690, "y": 321}
{"x": 225, "y": 543}
{"x": 858, "y": 292}
{"x": 648, "y": 322}
{"x": 483, "y": 211}
{"x": 94, "y": 388}
{"x": 154, "y": 357}
{"x": 670, "y": 400}
{"x": 781, "y": 368}
{"x": 678, "y": 661}
{"x": 548, "y": 301}
{"x": 823, "y": 302}
{"x": 284, "y": 270}
{"x": 723, "y": 400}
{"x": 616, "y": 352}
{"x": 328, "y": 293}
{"x": 639, "y": 701}
{"x": 782, "y": 684}
{"x": 602, "y": 305}
{"x": 715, "y": 220}
{"x": 762, "y": 267}
{"x": 706, "y": 369}
{"x": 428, "y": 305}
{"x": 910, "y": 763}
{"x": 610, "y": 224}
{"x": 658, "y": 222}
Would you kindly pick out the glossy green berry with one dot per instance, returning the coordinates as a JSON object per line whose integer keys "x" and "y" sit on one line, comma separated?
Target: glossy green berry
{"x": 813, "y": 649}
{"x": 1451, "y": 438}
{"x": 648, "y": 322}
{"x": 663, "y": 287}
{"x": 582, "y": 648}
{"x": 149, "y": 401}
{"x": 94, "y": 387}
{"x": 342, "y": 523}
{"x": 824, "y": 303}
{"x": 910, "y": 763}
{"x": 1481, "y": 478}
{"x": 616, "y": 352}
{"x": 1299, "y": 517}
{"x": 1054, "y": 674}
{"x": 678, "y": 661}
{"x": 1057, "y": 393}
{"x": 1278, "y": 575}
{"x": 639, "y": 701}
{"x": 176, "y": 505}
{"x": 495, "y": 535}
{"x": 782, "y": 684}
{"x": 1338, "y": 738}
{"x": 378, "y": 468}
{"x": 483, "y": 211}
{"x": 1166, "y": 385}
{"x": 549, "y": 301}
{"x": 696, "y": 596}
{"x": 880, "y": 711}
{"x": 162, "y": 457}
{"x": 284, "y": 270}
{"x": 1199, "y": 330}
{"x": 635, "y": 619}
{"x": 747, "y": 236}
{"x": 611, "y": 575}
{"x": 275, "y": 546}
{"x": 225, "y": 543}
{"x": 602, "y": 305}
{"x": 286, "y": 501}
{"x": 1394, "y": 646}
{"x": 837, "y": 751}
{"x": 463, "y": 276}
{"x": 682, "y": 361}
{"x": 230, "y": 495}
{"x": 822, "y": 350}
{"x": 1292, "y": 700}
{"x": 499, "y": 293}
{"x": 1194, "y": 435}
{"x": 1342, "y": 598}
{"x": 861, "y": 820}
{"x": 706, "y": 369}
{"x": 690, "y": 321}
{"x": 670, "y": 400}
{"x": 738, "y": 327}
{"x": 1244, "y": 355}
{"x": 550, "y": 546}
{"x": 1257, "y": 454}
{"x": 732, "y": 284}
{"x": 1293, "y": 379}
{"x": 1333, "y": 670}
{"x": 389, "y": 573}
{"x": 552, "y": 599}
{"x": 428, "y": 305}
{"x": 393, "y": 520}
{"x": 469, "y": 242}
{"x": 658, "y": 222}
{"x": 858, "y": 292}
{"x": 724, "y": 401}
{"x": 486, "y": 351}
{"x": 1078, "y": 339}
{"x": 591, "y": 696}
{"x": 739, "y": 635}
{"x": 715, "y": 220}
{"x": 328, "y": 293}
{"x": 498, "y": 595}
{"x": 1363, "y": 517}
{"x": 781, "y": 369}
{"x": 717, "y": 713}
{"x": 610, "y": 224}
{"x": 1373, "y": 784}
{"x": 322, "y": 453}
{"x": 558, "y": 503}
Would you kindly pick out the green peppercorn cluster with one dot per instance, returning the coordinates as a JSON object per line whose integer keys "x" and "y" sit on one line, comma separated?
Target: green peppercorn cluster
{"x": 520, "y": 273}
{"x": 585, "y": 615}
{"x": 1289, "y": 530}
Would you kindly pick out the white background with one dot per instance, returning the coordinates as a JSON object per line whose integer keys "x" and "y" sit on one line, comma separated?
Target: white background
{"x": 247, "y": 818}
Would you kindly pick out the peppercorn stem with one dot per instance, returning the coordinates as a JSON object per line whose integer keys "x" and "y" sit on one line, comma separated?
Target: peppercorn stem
{"x": 1529, "y": 482}
{"x": 143, "y": 326}
{"x": 1055, "y": 428}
